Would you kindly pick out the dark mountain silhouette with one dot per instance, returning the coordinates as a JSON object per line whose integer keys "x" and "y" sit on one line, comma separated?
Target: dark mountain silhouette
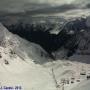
{"x": 51, "y": 42}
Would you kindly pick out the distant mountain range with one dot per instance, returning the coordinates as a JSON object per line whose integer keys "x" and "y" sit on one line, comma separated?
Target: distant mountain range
{"x": 72, "y": 36}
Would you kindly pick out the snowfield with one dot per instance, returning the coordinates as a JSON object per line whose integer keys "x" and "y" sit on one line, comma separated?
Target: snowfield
{"x": 19, "y": 69}
{"x": 21, "y": 64}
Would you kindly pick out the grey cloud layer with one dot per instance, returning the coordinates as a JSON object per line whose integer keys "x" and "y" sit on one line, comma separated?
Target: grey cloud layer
{"x": 41, "y": 6}
{"x": 17, "y": 5}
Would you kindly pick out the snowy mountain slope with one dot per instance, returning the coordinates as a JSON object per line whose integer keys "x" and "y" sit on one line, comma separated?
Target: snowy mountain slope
{"x": 15, "y": 42}
{"x": 29, "y": 65}
{"x": 70, "y": 73}
{"x": 83, "y": 86}
{"x": 17, "y": 66}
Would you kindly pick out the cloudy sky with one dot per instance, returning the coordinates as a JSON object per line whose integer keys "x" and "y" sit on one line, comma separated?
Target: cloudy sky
{"x": 27, "y": 5}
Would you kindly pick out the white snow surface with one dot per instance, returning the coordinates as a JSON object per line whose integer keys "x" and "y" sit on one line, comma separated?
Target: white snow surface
{"x": 21, "y": 64}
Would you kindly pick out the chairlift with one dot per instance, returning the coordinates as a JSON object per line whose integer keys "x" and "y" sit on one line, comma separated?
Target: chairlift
{"x": 6, "y": 62}
{"x": 88, "y": 76}
{"x": 83, "y": 73}
{"x": 78, "y": 80}
{"x": 72, "y": 78}
{"x": 72, "y": 82}
{"x": 67, "y": 81}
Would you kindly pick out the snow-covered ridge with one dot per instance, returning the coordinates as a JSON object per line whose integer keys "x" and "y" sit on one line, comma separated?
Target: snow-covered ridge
{"x": 20, "y": 45}
{"x": 18, "y": 63}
